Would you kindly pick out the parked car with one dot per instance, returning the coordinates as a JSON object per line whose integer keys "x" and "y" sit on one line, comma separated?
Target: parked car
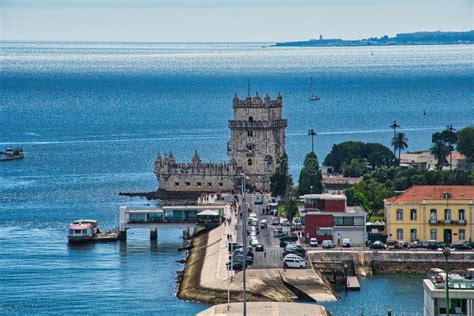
{"x": 469, "y": 243}
{"x": 291, "y": 237}
{"x": 328, "y": 244}
{"x": 235, "y": 265}
{"x": 294, "y": 252}
{"x": 378, "y": 245}
{"x": 415, "y": 244}
{"x": 241, "y": 258}
{"x": 313, "y": 242}
{"x": 241, "y": 251}
{"x": 259, "y": 247}
{"x": 295, "y": 247}
{"x": 254, "y": 242}
{"x": 292, "y": 255}
{"x": 258, "y": 199}
{"x": 393, "y": 244}
{"x": 462, "y": 246}
{"x": 433, "y": 245}
{"x": 346, "y": 242}
{"x": 294, "y": 263}
{"x": 285, "y": 222}
{"x": 284, "y": 243}
{"x": 263, "y": 224}
{"x": 275, "y": 221}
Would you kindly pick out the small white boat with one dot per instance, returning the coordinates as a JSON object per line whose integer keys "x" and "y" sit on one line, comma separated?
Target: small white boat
{"x": 82, "y": 231}
{"x": 312, "y": 96}
{"x": 11, "y": 154}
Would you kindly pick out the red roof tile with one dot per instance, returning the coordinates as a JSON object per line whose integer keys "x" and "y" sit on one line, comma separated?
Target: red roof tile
{"x": 435, "y": 192}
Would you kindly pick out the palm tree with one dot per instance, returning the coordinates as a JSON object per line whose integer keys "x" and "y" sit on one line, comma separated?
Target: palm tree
{"x": 440, "y": 151}
{"x": 400, "y": 142}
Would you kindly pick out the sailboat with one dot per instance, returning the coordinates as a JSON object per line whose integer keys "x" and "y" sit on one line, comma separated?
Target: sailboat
{"x": 312, "y": 96}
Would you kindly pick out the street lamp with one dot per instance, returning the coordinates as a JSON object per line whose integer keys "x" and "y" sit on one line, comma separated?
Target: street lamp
{"x": 312, "y": 133}
{"x": 394, "y": 126}
{"x": 243, "y": 208}
{"x": 446, "y": 254}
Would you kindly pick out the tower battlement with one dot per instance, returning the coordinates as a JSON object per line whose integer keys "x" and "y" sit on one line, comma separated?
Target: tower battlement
{"x": 257, "y": 101}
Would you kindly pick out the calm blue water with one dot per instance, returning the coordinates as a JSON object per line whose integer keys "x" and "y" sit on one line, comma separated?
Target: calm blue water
{"x": 91, "y": 118}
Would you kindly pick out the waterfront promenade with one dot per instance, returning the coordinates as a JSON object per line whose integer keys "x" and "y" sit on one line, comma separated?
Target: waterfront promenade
{"x": 263, "y": 282}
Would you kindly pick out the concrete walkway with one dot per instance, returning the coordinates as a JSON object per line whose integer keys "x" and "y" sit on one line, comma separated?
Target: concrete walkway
{"x": 266, "y": 309}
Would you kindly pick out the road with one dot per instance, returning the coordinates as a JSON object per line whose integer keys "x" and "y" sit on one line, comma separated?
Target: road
{"x": 272, "y": 256}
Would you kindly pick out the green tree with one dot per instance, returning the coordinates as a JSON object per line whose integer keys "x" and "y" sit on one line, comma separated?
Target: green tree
{"x": 400, "y": 142}
{"x": 291, "y": 209}
{"x": 465, "y": 142}
{"x": 357, "y": 168}
{"x": 440, "y": 151}
{"x": 310, "y": 180}
{"x": 377, "y": 155}
{"x": 280, "y": 180}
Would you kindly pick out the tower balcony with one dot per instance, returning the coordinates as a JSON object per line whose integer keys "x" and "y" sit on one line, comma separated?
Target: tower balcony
{"x": 258, "y": 124}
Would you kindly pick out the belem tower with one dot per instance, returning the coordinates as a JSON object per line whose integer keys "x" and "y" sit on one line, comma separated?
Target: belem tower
{"x": 257, "y": 142}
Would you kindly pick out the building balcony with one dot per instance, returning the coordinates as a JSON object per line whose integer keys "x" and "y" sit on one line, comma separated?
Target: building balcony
{"x": 447, "y": 222}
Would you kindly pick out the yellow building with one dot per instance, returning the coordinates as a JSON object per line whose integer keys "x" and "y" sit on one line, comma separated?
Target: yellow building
{"x": 439, "y": 212}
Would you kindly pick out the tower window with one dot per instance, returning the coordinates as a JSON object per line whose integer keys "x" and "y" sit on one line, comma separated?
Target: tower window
{"x": 249, "y": 162}
{"x": 250, "y": 119}
{"x": 249, "y": 133}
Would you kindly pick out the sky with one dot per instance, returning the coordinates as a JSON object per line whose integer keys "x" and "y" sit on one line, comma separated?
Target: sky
{"x": 226, "y": 20}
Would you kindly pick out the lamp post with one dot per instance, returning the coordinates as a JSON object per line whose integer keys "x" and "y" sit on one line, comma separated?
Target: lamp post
{"x": 312, "y": 133}
{"x": 446, "y": 254}
{"x": 394, "y": 126}
{"x": 243, "y": 208}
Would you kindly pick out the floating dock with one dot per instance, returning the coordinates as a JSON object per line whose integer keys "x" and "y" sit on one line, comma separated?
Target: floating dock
{"x": 352, "y": 283}
{"x": 107, "y": 236}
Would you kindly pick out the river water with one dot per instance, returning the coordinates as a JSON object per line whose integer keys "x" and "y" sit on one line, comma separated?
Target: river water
{"x": 91, "y": 117}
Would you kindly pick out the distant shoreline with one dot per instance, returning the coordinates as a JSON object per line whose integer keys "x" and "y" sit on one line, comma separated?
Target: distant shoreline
{"x": 402, "y": 39}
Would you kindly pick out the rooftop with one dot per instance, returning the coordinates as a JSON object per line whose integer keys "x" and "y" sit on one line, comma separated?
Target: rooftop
{"x": 435, "y": 192}
{"x": 324, "y": 196}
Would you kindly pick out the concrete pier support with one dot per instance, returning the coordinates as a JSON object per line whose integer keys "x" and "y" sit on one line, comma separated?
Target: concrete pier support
{"x": 154, "y": 233}
{"x": 123, "y": 235}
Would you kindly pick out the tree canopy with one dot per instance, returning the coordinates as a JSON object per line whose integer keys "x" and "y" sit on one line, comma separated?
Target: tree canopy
{"x": 280, "y": 180}
{"x": 310, "y": 180}
{"x": 465, "y": 142}
{"x": 375, "y": 154}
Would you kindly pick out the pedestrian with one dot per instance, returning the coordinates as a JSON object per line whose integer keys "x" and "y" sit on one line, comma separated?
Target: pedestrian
{"x": 264, "y": 254}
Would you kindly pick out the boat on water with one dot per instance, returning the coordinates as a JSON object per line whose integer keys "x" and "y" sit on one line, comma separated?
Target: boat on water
{"x": 313, "y": 97}
{"x": 11, "y": 153}
{"x": 82, "y": 230}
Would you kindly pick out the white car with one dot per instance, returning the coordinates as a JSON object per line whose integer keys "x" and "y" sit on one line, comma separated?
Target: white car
{"x": 346, "y": 242}
{"x": 298, "y": 263}
{"x": 327, "y": 244}
{"x": 254, "y": 242}
{"x": 313, "y": 242}
{"x": 258, "y": 199}
{"x": 285, "y": 222}
{"x": 292, "y": 255}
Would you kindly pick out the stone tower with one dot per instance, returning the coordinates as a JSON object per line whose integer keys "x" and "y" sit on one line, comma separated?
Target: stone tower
{"x": 257, "y": 137}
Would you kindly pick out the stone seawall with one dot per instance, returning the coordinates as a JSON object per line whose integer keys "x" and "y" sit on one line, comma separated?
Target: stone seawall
{"x": 391, "y": 261}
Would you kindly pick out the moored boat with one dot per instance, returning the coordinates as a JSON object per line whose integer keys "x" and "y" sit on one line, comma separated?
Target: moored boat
{"x": 11, "y": 154}
{"x": 82, "y": 230}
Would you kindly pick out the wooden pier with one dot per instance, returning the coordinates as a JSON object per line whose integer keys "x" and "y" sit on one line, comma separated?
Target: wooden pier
{"x": 352, "y": 283}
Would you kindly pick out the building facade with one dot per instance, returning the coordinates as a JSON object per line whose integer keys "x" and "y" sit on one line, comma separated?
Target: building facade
{"x": 327, "y": 217}
{"x": 441, "y": 213}
{"x": 461, "y": 298}
{"x": 257, "y": 142}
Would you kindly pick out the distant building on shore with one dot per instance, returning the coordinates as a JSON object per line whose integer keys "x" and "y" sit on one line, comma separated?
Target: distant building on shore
{"x": 425, "y": 160}
{"x": 257, "y": 142}
{"x": 437, "y": 212}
